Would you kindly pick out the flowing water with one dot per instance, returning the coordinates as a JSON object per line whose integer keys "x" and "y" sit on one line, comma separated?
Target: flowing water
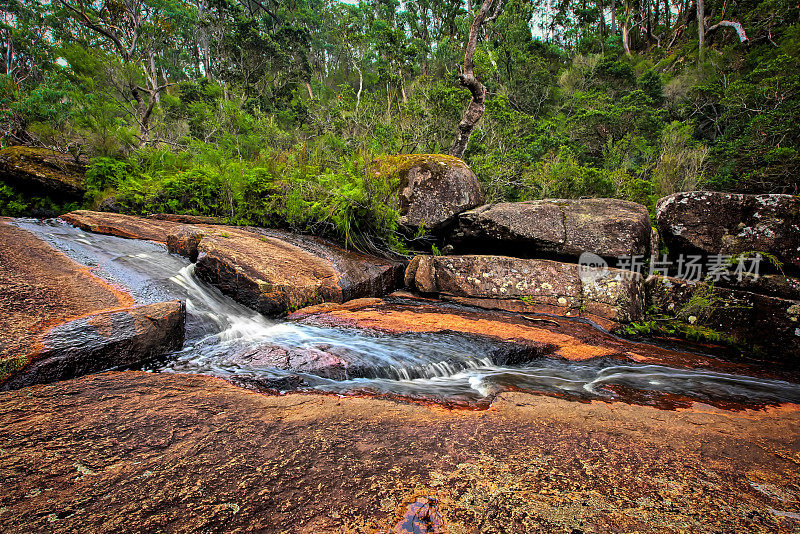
{"x": 221, "y": 333}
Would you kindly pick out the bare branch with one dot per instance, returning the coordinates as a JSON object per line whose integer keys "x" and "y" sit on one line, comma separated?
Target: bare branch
{"x": 732, "y": 24}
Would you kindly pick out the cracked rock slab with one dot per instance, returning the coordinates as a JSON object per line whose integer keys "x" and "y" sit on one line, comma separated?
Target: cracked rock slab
{"x": 501, "y": 282}
{"x": 602, "y": 226}
{"x": 726, "y": 223}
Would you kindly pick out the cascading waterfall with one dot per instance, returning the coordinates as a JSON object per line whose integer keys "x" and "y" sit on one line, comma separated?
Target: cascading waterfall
{"x": 443, "y": 365}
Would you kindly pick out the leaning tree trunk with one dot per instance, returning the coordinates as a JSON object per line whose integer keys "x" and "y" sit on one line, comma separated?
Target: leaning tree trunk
{"x": 467, "y": 79}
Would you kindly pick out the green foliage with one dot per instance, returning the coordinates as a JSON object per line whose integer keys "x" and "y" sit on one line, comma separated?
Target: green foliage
{"x": 267, "y": 112}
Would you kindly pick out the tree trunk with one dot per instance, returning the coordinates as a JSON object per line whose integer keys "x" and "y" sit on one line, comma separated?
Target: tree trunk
{"x": 613, "y": 17}
{"x": 467, "y": 79}
{"x": 701, "y": 28}
{"x": 625, "y": 37}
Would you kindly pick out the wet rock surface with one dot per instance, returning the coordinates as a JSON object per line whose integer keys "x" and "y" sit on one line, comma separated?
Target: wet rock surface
{"x": 609, "y": 296}
{"x": 727, "y": 223}
{"x": 543, "y": 335}
{"x": 433, "y": 188}
{"x": 41, "y": 171}
{"x": 60, "y": 320}
{"x": 142, "y": 452}
{"x": 101, "y": 341}
{"x": 271, "y": 271}
{"x": 603, "y": 226}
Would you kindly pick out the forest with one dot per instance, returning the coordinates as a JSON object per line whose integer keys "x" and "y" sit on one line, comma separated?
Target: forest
{"x": 272, "y": 113}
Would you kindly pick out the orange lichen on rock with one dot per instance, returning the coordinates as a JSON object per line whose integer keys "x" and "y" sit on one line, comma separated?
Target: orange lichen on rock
{"x": 127, "y": 451}
{"x": 557, "y": 336}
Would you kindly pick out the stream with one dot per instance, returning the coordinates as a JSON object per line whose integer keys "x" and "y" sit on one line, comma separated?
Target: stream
{"x": 430, "y": 366}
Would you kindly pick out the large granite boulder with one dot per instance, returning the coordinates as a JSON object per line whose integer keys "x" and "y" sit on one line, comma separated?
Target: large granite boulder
{"x": 604, "y": 226}
{"x": 768, "y": 324}
{"x": 61, "y": 321}
{"x": 515, "y": 284}
{"x": 726, "y": 223}
{"x": 271, "y": 271}
{"x": 41, "y": 171}
{"x": 433, "y": 188}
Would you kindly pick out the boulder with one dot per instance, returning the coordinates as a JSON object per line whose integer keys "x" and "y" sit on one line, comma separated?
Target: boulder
{"x": 603, "y": 226}
{"x": 60, "y": 320}
{"x": 516, "y": 284}
{"x": 433, "y": 188}
{"x": 41, "y": 171}
{"x": 271, "y": 271}
{"x": 101, "y": 341}
{"x": 312, "y": 361}
{"x": 725, "y": 223}
{"x": 767, "y": 323}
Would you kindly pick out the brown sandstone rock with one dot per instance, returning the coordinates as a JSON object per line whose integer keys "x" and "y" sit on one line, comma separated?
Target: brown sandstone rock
{"x": 571, "y": 289}
{"x": 727, "y": 223}
{"x": 60, "y": 321}
{"x": 603, "y": 226}
{"x": 271, "y": 271}
{"x": 41, "y": 171}
{"x": 102, "y": 341}
{"x": 120, "y": 225}
{"x": 434, "y": 188}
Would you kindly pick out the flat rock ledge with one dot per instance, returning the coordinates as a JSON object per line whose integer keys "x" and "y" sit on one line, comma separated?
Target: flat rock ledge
{"x": 607, "y": 296}
{"x": 61, "y": 321}
{"x": 271, "y": 271}
{"x": 143, "y": 452}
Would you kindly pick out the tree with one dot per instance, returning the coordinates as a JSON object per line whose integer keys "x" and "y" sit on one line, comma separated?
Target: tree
{"x": 489, "y": 11}
{"x": 137, "y": 30}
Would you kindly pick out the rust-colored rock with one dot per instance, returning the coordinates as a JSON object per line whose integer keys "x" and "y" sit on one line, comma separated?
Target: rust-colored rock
{"x": 120, "y": 225}
{"x": 434, "y": 188}
{"x": 543, "y": 335}
{"x": 143, "y": 452}
{"x": 101, "y": 341}
{"x": 271, "y": 271}
{"x": 41, "y": 171}
{"x": 60, "y": 321}
{"x": 726, "y": 223}
{"x": 607, "y": 227}
{"x": 572, "y": 290}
